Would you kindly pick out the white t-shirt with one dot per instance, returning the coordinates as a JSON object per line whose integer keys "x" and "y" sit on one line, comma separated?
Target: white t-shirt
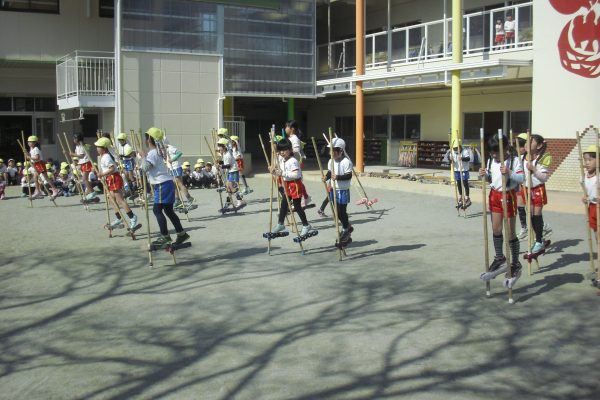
{"x": 80, "y": 151}
{"x": 172, "y": 151}
{"x": 342, "y": 167}
{"x": 515, "y": 179}
{"x": 290, "y": 169}
{"x": 542, "y": 173}
{"x": 591, "y": 187}
{"x": 36, "y": 155}
{"x": 229, "y": 160}
{"x": 453, "y": 157}
{"x": 237, "y": 154}
{"x": 499, "y": 29}
{"x": 509, "y": 26}
{"x": 158, "y": 173}
{"x": 105, "y": 163}
{"x": 297, "y": 147}
{"x": 12, "y": 171}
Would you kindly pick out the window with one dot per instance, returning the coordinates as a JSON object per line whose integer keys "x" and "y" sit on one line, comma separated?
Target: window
{"x": 376, "y": 126}
{"x": 23, "y": 104}
{"x": 5, "y": 103}
{"x": 473, "y": 124}
{"x": 406, "y": 126}
{"x": 39, "y": 6}
{"x": 106, "y": 8}
{"x": 45, "y": 104}
{"x": 519, "y": 121}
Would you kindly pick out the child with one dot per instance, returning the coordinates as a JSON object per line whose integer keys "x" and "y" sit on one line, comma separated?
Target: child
{"x": 164, "y": 190}
{"x": 499, "y": 40}
{"x": 12, "y": 173}
{"x": 27, "y": 177}
{"x": 521, "y": 200}
{"x": 233, "y": 175}
{"x": 288, "y": 169}
{"x": 176, "y": 170}
{"x": 340, "y": 171}
{"x": 36, "y": 157}
{"x": 3, "y": 178}
{"x": 66, "y": 184}
{"x": 114, "y": 184}
{"x": 538, "y": 169}
{"x": 127, "y": 159}
{"x": 293, "y": 132}
{"x": 591, "y": 184}
{"x": 461, "y": 157}
{"x": 84, "y": 165}
{"x": 210, "y": 173}
{"x": 514, "y": 175}
{"x": 187, "y": 175}
{"x": 239, "y": 159}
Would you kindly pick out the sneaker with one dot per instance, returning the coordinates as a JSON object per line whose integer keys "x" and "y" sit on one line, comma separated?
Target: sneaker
{"x": 181, "y": 237}
{"x": 467, "y": 203}
{"x": 305, "y": 230}
{"x": 226, "y": 204}
{"x": 537, "y": 247}
{"x": 239, "y": 203}
{"x": 515, "y": 269}
{"x": 117, "y": 223}
{"x": 278, "y": 228}
{"x": 23, "y": 195}
{"x": 522, "y": 234}
{"x": 459, "y": 205}
{"x": 321, "y": 213}
{"x": 190, "y": 200}
{"x": 133, "y": 222}
{"x": 2, "y": 196}
{"x": 162, "y": 241}
{"x": 178, "y": 204}
{"x": 37, "y": 196}
{"x": 345, "y": 235}
{"x": 547, "y": 230}
{"x": 91, "y": 195}
{"x": 497, "y": 263}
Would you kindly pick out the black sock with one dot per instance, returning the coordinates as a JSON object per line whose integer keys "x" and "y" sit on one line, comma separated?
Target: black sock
{"x": 244, "y": 180}
{"x": 130, "y": 214}
{"x": 538, "y": 227}
{"x": 522, "y": 217}
{"x": 498, "y": 245}
{"x": 514, "y": 250}
{"x": 118, "y": 215}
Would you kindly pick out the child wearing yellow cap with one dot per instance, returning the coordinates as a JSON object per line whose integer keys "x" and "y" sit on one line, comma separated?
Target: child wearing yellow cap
{"x": 84, "y": 165}
{"x": 239, "y": 159}
{"x": 40, "y": 170}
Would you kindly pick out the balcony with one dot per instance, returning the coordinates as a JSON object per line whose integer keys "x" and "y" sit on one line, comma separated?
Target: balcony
{"x": 85, "y": 79}
{"x": 429, "y": 45}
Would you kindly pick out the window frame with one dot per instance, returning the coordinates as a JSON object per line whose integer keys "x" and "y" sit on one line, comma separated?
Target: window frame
{"x": 30, "y": 10}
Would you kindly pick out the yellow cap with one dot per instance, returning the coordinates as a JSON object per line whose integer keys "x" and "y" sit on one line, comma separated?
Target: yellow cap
{"x": 50, "y": 175}
{"x": 75, "y": 158}
{"x": 19, "y": 164}
{"x": 122, "y": 136}
{"x": 236, "y": 138}
{"x": 155, "y": 133}
{"x": 197, "y": 166}
{"x": 200, "y": 161}
{"x": 127, "y": 149}
{"x": 523, "y": 136}
{"x": 223, "y": 142}
{"x": 222, "y": 131}
{"x": 27, "y": 164}
{"x": 64, "y": 172}
{"x": 1, "y": 161}
{"x": 64, "y": 164}
{"x": 186, "y": 164}
{"x": 103, "y": 142}
{"x": 591, "y": 149}
{"x": 32, "y": 138}
{"x": 48, "y": 165}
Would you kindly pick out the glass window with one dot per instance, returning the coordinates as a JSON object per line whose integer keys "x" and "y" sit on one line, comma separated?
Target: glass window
{"x": 519, "y": 121}
{"x": 398, "y": 127}
{"x": 368, "y": 124}
{"x": 413, "y": 126}
{"x": 23, "y": 103}
{"x": 45, "y": 104}
{"x": 380, "y": 126}
{"x": 40, "y": 6}
{"x": 5, "y": 103}
{"x": 473, "y": 123}
{"x": 44, "y": 128}
{"x": 106, "y": 8}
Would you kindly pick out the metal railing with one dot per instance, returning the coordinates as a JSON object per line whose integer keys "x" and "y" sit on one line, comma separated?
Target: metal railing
{"x": 236, "y": 126}
{"x": 85, "y": 74}
{"x": 430, "y": 40}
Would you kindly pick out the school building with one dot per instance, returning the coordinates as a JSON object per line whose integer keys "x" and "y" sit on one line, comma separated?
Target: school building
{"x": 193, "y": 66}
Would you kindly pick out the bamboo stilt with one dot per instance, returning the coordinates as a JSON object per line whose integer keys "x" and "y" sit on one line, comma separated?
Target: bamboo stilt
{"x": 26, "y": 169}
{"x": 334, "y": 190}
{"x": 505, "y": 220}
{"x": 486, "y": 252}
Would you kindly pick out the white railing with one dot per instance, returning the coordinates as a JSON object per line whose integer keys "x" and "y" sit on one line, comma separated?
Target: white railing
{"x": 236, "y": 126}
{"x": 85, "y": 74}
{"x": 430, "y": 40}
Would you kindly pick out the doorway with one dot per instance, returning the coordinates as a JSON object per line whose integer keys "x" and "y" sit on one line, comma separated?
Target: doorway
{"x": 10, "y": 130}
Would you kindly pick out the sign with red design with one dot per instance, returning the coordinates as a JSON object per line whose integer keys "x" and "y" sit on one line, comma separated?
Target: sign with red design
{"x": 579, "y": 41}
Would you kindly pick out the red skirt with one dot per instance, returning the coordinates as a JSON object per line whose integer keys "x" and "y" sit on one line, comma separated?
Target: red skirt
{"x": 495, "y": 200}
{"x": 240, "y": 164}
{"x": 294, "y": 189}
{"x": 40, "y": 167}
{"x": 86, "y": 167}
{"x": 593, "y": 216}
{"x": 114, "y": 182}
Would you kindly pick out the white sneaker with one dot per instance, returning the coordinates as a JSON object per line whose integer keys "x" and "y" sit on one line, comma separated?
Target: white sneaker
{"x": 279, "y": 228}
{"x": 133, "y": 222}
{"x": 117, "y": 223}
{"x": 522, "y": 234}
{"x": 305, "y": 230}
{"x": 239, "y": 203}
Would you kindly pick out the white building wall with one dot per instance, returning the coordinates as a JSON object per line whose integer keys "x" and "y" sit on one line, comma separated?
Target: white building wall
{"x": 564, "y": 102}
{"x": 46, "y": 37}
{"x": 177, "y": 92}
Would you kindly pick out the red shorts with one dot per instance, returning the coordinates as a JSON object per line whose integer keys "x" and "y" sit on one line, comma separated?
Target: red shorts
{"x": 538, "y": 196}
{"x": 593, "y": 216}
{"x": 510, "y": 35}
{"x": 114, "y": 182}
{"x": 40, "y": 167}
{"x": 294, "y": 189}
{"x": 499, "y": 39}
{"x": 495, "y": 200}
{"x": 240, "y": 164}
{"x": 87, "y": 167}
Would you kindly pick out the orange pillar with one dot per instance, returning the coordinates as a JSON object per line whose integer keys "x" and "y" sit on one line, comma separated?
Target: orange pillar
{"x": 360, "y": 70}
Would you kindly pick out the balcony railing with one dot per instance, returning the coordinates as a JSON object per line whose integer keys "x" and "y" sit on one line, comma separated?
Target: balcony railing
{"x": 428, "y": 41}
{"x": 85, "y": 74}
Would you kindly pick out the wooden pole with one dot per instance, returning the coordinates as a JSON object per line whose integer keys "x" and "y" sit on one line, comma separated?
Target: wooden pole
{"x": 452, "y": 177}
{"x": 26, "y": 169}
{"x": 461, "y": 173}
{"x": 334, "y": 192}
{"x": 484, "y": 183}
{"x": 262, "y": 144}
{"x": 219, "y": 172}
{"x": 70, "y": 161}
{"x": 145, "y": 189}
{"x": 587, "y": 209}
{"x": 505, "y": 221}
{"x": 528, "y": 190}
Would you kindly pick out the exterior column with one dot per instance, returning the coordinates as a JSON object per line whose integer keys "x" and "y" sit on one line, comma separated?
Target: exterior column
{"x": 360, "y": 70}
{"x": 457, "y": 51}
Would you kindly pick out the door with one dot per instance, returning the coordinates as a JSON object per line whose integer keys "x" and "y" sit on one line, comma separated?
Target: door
{"x": 10, "y": 130}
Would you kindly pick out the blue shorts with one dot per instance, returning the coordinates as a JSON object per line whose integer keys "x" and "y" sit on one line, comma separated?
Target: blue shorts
{"x": 343, "y": 196}
{"x": 233, "y": 176}
{"x": 177, "y": 172}
{"x": 164, "y": 193}
{"x": 127, "y": 164}
{"x": 465, "y": 176}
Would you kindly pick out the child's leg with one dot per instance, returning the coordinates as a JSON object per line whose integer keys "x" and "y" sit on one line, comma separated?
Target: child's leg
{"x": 122, "y": 203}
{"x": 36, "y": 181}
{"x": 324, "y": 204}
{"x": 343, "y": 215}
{"x": 182, "y": 187}
{"x": 466, "y": 184}
{"x": 298, "y": 207}
{"x": 85, "y": 176}
{"x": 537, "y": 220}
{"x": 160, "y": 218}
{"x": 168, "y": 208}
{"x": 497, "y": 234}
{"x": 283, "y": 207}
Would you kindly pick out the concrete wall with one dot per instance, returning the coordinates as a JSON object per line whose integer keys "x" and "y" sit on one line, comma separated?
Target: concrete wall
{"x": 176, "y": 92}
{"x": 433, "y": 105}
{"x": 46, "y": 37}
{"x": 565, "y": 100}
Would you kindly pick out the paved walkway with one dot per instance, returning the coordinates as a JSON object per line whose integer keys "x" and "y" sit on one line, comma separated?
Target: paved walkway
{"x": 404, "y": 316}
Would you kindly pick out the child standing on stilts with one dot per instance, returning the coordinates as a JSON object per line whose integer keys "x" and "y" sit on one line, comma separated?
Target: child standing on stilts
{"x": 591, "y": 198}
{"x": 461, "y": 157}
{"x": 340, "y": 171}
{"x": 293, "y": 134}
{"x": 514, "y": 174}
{"x": 289, "y": 170}
{"x": 164, "y": 190}
{"x": 37, "y": 159}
